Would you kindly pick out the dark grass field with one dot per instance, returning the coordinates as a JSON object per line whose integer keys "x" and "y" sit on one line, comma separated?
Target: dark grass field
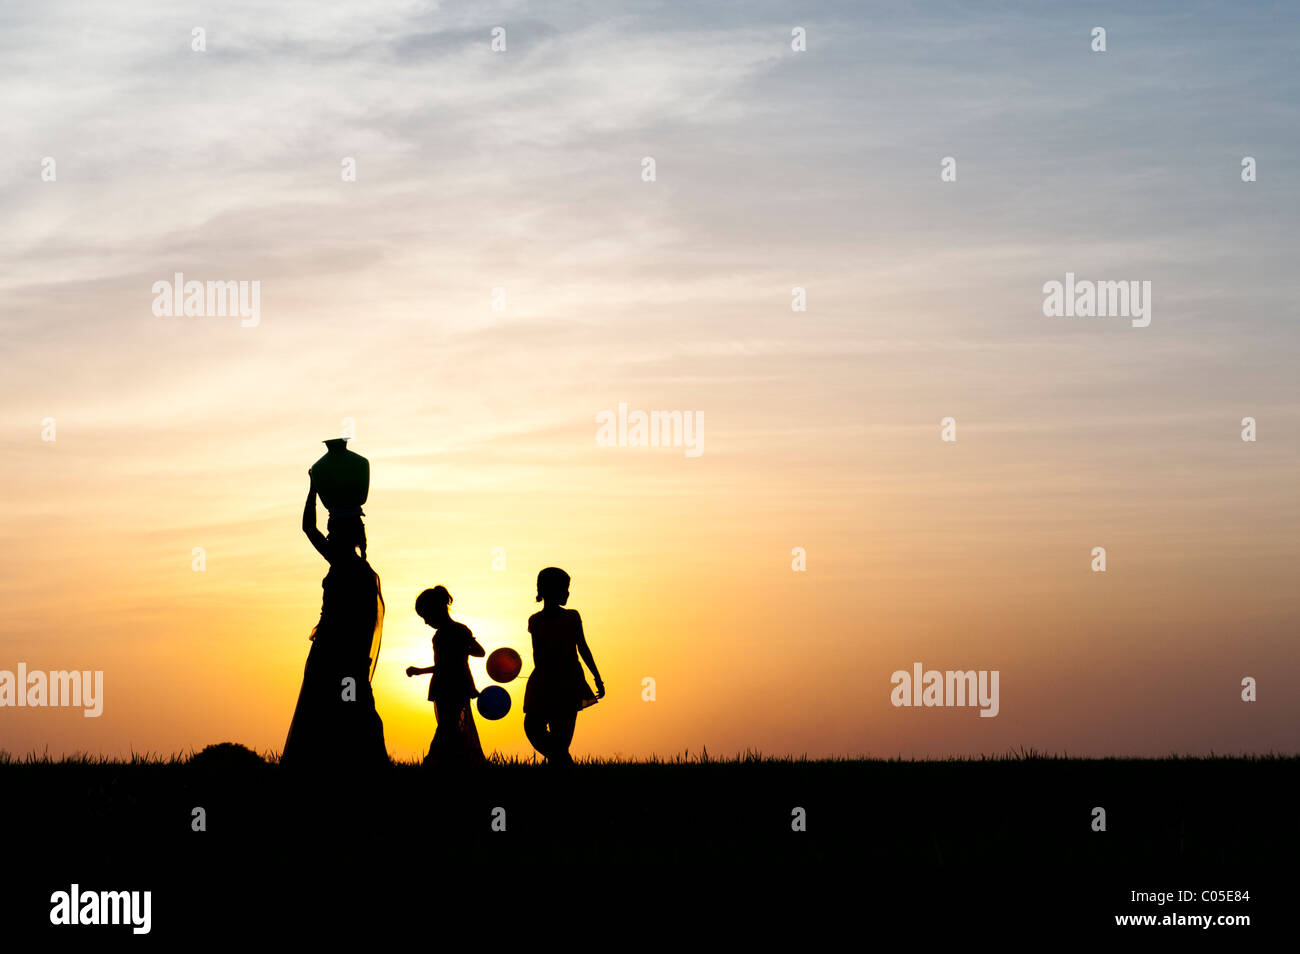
{"x": 1007, "y": 838}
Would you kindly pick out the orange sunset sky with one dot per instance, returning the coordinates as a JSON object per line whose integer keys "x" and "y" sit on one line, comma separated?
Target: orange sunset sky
{"x": 523, "y": 171}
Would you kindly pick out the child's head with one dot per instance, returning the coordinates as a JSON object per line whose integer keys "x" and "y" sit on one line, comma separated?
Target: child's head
{"x": 553, "y": 586}
{"x": 431, "y": 605}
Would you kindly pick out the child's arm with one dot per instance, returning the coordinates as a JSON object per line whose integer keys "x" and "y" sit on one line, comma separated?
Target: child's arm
{"x": 418, "y": 671}
{"x": 474, "y": 647}
{"x": 585, "y": 652}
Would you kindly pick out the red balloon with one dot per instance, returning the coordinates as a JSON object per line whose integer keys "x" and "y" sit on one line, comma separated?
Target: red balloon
{"x": 504, "y": 665}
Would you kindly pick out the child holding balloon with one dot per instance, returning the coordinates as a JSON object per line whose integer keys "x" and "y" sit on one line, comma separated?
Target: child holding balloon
{"x": 557, "y": 690}
{"x": 456, "y": 741}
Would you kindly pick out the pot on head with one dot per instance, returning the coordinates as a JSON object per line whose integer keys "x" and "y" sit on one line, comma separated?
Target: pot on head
{"x": 342, "y": 478}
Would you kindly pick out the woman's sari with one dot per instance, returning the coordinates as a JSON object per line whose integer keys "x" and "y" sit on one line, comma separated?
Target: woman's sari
{"x": 335, "y": 723}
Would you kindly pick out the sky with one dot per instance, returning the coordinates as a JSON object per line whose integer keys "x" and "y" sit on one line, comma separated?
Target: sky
{"x": 502, "y": 271}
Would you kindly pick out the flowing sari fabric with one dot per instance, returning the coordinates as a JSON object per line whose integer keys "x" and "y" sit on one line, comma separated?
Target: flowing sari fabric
{"x": 378, "y": 635}
{"x": 335, "y": 724}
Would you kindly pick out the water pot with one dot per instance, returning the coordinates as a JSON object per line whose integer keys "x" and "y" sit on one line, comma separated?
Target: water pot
{"x": 342, "y": 478}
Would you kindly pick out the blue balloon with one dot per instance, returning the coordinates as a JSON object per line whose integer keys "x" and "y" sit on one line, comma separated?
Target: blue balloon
{"x": 493, "y": 703}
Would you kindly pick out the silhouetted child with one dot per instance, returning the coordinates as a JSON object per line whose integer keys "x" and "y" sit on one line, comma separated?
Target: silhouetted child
{"x": 456, "y": 740}
{"x": 557, "y": 689}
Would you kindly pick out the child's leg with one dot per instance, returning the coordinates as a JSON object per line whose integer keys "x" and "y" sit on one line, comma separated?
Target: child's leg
{"x": 562, "y": 726}
{"x": 535, "y": 729}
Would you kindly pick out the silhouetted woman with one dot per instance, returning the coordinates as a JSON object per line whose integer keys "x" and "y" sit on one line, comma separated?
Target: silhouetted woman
{"x": 335, "y": 724}
{"x": 557, "y": 690}
{"x": 455, "y": 742}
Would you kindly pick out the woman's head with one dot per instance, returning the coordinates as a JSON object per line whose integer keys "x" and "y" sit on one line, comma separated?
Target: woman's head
{"x": 553, "y": 586}
{"x": 431, "y": 605}
{"x": 346, "y": 534}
